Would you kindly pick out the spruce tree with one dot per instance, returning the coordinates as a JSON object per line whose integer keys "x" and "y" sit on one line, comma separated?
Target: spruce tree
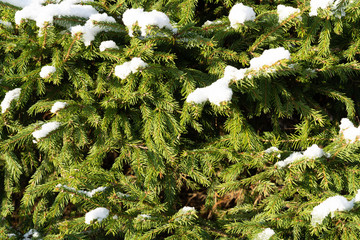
{"x": 124, "y": 119}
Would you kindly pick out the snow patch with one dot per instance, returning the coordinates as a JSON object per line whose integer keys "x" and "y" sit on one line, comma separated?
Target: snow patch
{"x": 125, "y": 69}
{"x": 187, "y": 209}
{"x": 312, "y": 152}
{"x": 98, "y": 214}
{"x": 19, "y": 3}
{"x": 90, "y": 30}
{"x": 285, "y": 11}
{"x": 324, "y": 4}
{"x": 269, "y": 57}
{"x": 265, "y": 235}
{"x": 9, "y": 97}
{"x": 45, "y": 13}
{"x": 57, "y": 106}
{"x": 143, "y": 19}
{"x": 87, "y": 193}
{"x": 240, "y": 13}
{"x": 30, "y": 234}
{"x": 46, "y": 71}
{"x": 6, "y": 24}
{"x": 46, "y": 129}
{"x": 330, "y": 206}
{"x": 216, "y": 93}
{"x": 271, "y": 150}
{"x": 349, "y": 131}
{"x": 143, "y": 217}
{"x": 107, "y": 44}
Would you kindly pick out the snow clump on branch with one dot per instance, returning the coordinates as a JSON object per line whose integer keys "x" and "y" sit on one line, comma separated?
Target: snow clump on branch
{"x": 330, "y": 206}
{"x": 57, "y": 106}
{"x": 107, "y": 44}
{"x": 90, "y": 194}
{"x": 45, "y": 13}
{"x": 46, "y": 71}
{"x": 269, "y": 57}
{"x": 216, "y": 93}
{"x": 98, "y": 214}
{"x": 285, "y": 11}
{"x": 349, "y": 131}
{"x": 32, "y": 233}
{"x": 187, "y": 209}
{"x": 265, "y": 235}
{"x": 9, "y": 96}
{"x": 240, "y": 13}
{"x": 324, "y": 4}
{"x": 46, "y": 129}
{"x": 90, "y": 30}
{"x": 125, "y": 69}
{"x": 143, "y": 19}
{"x": 312, "y": 152}
{"x": 220, "y": 91}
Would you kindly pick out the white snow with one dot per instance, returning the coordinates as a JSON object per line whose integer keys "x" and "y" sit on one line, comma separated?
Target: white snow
{"x": 122, "y": 195}
{"x": 220, "y": 91}
{"x": 357, "y": 196}
{"x": 271, "y": 150}
{"x": 348, "y": 131}
{"x": 6, "y": 24}
{"x": 18, "y": 3}
{"x": 208, "y": 23}
{"x": 234, "y": 73}
{"x": 290, "y": 159}
{"x": 330, "y": 205}
{"x": 345, "y": 123}
{"x": 87, "y": 193}
{"x": 98, "y": 214}
{"x": 240, "y": 13}
{"x": 316, "y": 4}
{"x": 143, "y": 19}
{"x": 285, "y": 11}
{"x": 92, "y": 192}
{"x": 30, "y": 234}
{"x": 324, "y": 4}
{"x": 216, "y": 93}
{"x": 187, "y": 209}
{"x": 107, "y": 44}
{"x": 90, "y": 30}
{"x": 45, "y": 129}
{"x": 57, "y": 106}
{"x": 312, "y": 152}
{"x": 45, "y": 13}
{"x": 125, "y": 69}
{"x": 265, "y": 235}
{"x": 46, "y": 71}
{"x": 269, "y": 57}
{"x": 9, "y": 97}
{"x": 143, "y": 216}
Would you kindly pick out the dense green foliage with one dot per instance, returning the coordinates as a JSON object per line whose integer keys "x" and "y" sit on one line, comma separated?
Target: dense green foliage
{"x": 156, "y": 153}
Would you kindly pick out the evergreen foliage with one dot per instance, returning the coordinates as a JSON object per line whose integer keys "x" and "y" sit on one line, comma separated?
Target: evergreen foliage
{"x": 163, "y": 167}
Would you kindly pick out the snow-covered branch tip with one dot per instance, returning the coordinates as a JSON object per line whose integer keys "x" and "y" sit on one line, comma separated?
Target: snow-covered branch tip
{"x": 9, "y": 97}
{"x": 124, "y": 70}
{"x": 219, "y": 91}
{"x": 137, "y": 16}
